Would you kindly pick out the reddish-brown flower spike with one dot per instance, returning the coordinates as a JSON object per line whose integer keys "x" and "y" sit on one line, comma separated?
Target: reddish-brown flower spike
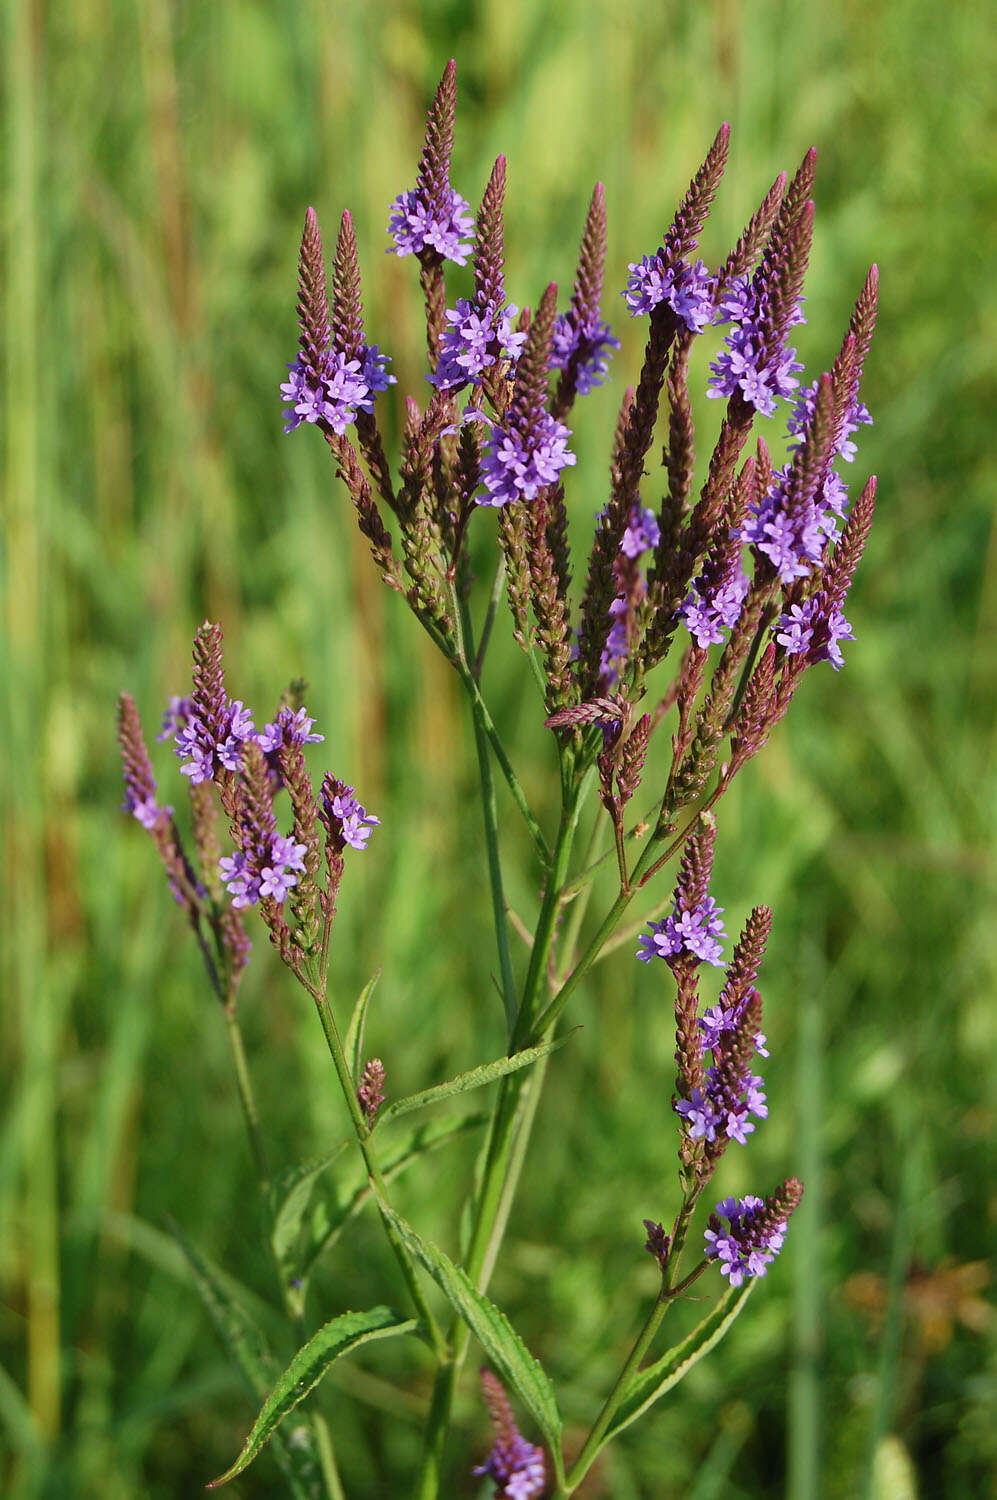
{"x": 489, "y": 242}
{"x": 347, "y": 306}
{"x": 433, "y": 177}
{"x": 746, "y": 251}
{"x": 208, "y": 698}
{"x": 848, "y": 553}
{"x": 313, "y": 304}
{"x": 695, "y": 206}
{"x": 801, "y": 187}
{"x": 746, "y": 959}
{"x": 529, "y": 396}
{"x": 587, "y": 290}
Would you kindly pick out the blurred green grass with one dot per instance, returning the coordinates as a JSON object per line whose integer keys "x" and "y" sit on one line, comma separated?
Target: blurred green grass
{"x": 156, "y": 162}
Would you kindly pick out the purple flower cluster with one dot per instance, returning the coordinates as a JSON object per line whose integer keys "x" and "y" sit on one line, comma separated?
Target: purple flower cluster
{"x": 747, "y": 364}
{"x": 802, "y": 416}
{"x": 592, "y": 344}
{"x": 346, "y": 386}
{"x": 749, "y": 1243}
{"x": 731, "y": 1093}
{"x": 714, "y": 602}
{"x": 270, "y": 869}
{"x": 417, "y": 225}
{"x": 694, "y": 931}
{"x": 203, "y": 754}
{"x": 642, "y": 534}
{"x": 475, "y": 338}
{"x": 521, "y": 461}
{"x": 348, "y": 820}
{"x": 814, "y": 629}
{"x": 687, "y": 289}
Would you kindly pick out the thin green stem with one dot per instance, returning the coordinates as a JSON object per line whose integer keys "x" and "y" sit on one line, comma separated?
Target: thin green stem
{"x": 431, "y": 1328}
{"x": 494, "y": 599}
{"x": 247, "y": 1097}
{"x": 670, "y": 1287}
{"x": 489, "y": 810}
{"x": 505, "y": 765}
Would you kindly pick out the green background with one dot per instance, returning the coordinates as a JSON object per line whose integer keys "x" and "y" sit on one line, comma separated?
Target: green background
{"x": 157, "y": 159}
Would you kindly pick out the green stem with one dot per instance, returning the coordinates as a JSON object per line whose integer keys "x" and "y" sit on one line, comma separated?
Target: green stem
{"x": 505, "y": 1151}
{"x": 247, "y": 1098}
{"x": 505, "y": 765}
{"x": 489, "y": 809}
{"x": 430, "y": 1326}
{"x": 670, "y": 1286}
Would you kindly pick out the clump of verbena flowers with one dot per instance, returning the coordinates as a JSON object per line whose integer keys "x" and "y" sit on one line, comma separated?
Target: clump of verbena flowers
{"x": 699, "y": 611}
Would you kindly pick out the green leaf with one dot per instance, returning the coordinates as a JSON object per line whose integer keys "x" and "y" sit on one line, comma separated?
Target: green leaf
{"x": 500, "y": 1341}
{"x": 353, "y": 1043}
{"x": 318, "y": 1215}
{"x": 306, "y": 1369}
{"x": 647, "y": 1385}
{"x": 475, "y": 1079}
{"x": 291, "y": 1193}
{"x": 246, "y": 1346}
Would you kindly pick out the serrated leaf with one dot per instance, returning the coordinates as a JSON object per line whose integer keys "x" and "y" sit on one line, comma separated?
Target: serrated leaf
{"x": 353, "y": 1042}
{"x": 476, "y": 1078}
{"x": 648, "y": 1385}
{"x": 246, "y": 1346}
{"x": 333, "y": 1340}
{"x": 490, "y": 1326}
{"x": 329, "y": 1206}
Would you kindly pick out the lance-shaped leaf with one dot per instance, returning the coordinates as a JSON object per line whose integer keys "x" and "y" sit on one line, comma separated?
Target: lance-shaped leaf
{"x": 647, "y": 1385}
{"x": 474, "y": 1079}
{"x": 306, "y": 1369}
{"x": 353, "y": 1043}
{"x": 291, "y": 1195}
{"x": 505, "y": 1349}
{"x": 245, "y": 1344}
{"x": 317, "y": 1210}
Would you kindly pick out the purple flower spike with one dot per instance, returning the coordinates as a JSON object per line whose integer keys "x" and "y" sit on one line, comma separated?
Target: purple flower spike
{"x": 754, "y": 1233}
{"x": 517, "y": 1467}
{"x": 432, "y": 221}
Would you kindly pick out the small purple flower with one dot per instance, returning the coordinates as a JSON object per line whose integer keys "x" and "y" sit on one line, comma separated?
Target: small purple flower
{"x": 699, "y": 1115}
{"x": 338, "y": 395}
{"x": 593, "y": 343}
{"x": 347, "y": 818}
{"x": 749, "y": 1243}
{"x": 813, "y": 630}
{"x": 687, "y": 289}
{"x": 803, "y": 414}
{"x": 241, "y": 884}
{"x": 747, "y": 363}
{"x": 475, "y": 339}
{"x": 375, "y": 375}
{"x": 695, "y": 932}
{"x": 416, "y": 225}
{"x": 642, "y": 533}
{"x": 175, "y": 716}
{"x": 517, "y": 465}
{"x": 707, "y": 618}
{"x": 291, "y": 727}
{"x": 147, "y": 811}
